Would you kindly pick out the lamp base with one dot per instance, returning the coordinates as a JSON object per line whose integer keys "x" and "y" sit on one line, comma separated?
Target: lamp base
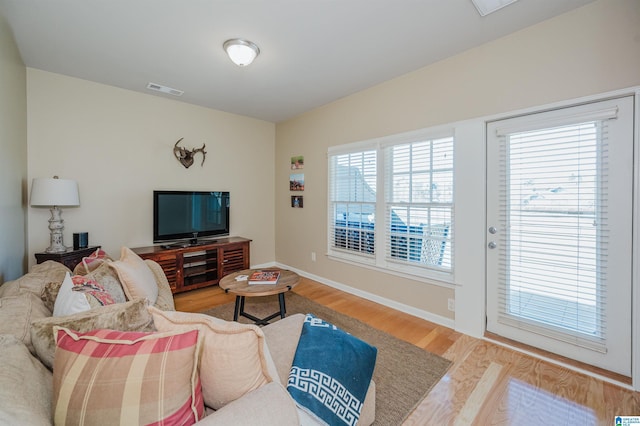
{"x": 56, "y": 249}
{"x": 56, "y": 225}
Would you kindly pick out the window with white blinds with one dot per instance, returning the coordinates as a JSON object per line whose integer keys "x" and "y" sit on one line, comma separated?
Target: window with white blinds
{"x": 554, "y": 183}
{"x": 419, "y": 203}
{"x": 391, "y": 203}
{"x": 352, "y": 203}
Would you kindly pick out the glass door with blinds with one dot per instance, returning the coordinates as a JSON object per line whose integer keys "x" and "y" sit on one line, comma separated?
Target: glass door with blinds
{"x": 559, "y": 231}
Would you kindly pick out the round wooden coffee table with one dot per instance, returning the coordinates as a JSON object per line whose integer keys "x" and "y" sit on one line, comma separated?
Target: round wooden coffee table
{"x": 242, "y": 289}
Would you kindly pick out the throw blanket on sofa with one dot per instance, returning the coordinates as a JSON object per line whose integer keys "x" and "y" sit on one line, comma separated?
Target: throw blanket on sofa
{"x": 331, "y": 372}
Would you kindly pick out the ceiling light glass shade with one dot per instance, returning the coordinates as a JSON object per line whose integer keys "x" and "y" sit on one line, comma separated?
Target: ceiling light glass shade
{"x": 48, "y": 192}
{"x": 241, "y": 52}
{"x": 486, "y": 7}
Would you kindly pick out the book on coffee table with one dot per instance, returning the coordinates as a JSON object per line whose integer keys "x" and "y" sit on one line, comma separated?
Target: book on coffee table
{"x": 264, "y": 277}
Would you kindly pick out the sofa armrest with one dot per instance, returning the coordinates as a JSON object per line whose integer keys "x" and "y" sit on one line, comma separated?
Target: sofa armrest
{"x": 282, "y": 339}
{"x": 26, "y": 386}
{"x": 267, "y": 405}
{"x": 35, "y": 280}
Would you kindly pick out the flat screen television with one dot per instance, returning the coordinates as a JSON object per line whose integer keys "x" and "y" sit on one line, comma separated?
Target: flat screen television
{"x": 179, "y": 215}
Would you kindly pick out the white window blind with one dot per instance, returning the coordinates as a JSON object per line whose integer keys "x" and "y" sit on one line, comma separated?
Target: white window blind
{"x": 352, "y": 203}
{"x": 419, "y": 203}
{"x": 391, "y": 203}
{"x": 553, "y": 254}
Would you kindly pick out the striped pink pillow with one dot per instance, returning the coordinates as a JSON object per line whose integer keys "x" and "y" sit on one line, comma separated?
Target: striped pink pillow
{"x": 130, "y": 377}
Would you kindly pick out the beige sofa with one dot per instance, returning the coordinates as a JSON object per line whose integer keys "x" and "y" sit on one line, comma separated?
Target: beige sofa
{"x": 26, "y": 380}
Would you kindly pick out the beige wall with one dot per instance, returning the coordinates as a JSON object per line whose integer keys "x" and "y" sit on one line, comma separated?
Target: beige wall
{"x": 588, "y": 51}
{"x": 118, "y": 145}
{"x": 13, "y": 157}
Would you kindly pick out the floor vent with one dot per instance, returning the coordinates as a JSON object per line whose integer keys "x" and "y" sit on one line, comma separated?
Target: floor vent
{"x": 164, "y": 89}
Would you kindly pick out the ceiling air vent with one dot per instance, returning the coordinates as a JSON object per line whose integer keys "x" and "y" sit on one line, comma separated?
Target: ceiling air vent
{"x": 164, "y": 89}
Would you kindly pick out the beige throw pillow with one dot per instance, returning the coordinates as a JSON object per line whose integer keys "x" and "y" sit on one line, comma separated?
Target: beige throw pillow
{"x": 234, "y": 359}
{"x": 137, "y": 279}
{"x": 165, "y": 295}
{"x": 130, "y": 316}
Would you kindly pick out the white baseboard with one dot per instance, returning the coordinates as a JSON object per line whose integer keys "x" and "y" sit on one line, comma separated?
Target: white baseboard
{"x": 419, "y": 313}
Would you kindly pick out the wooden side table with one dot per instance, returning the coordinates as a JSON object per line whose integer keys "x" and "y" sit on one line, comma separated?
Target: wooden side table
{"x": 242, "y": 289}
{"x": 69, "y": 258}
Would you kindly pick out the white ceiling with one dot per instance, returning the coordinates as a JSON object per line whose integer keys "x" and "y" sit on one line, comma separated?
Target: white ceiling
{"x": 312, "y": 51}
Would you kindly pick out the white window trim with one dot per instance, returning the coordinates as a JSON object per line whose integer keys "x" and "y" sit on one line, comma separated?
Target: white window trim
{"x": 379, "y": 262}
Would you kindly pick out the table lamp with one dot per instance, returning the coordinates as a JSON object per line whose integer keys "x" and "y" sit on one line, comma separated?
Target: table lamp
{"x": 54, "y": 193}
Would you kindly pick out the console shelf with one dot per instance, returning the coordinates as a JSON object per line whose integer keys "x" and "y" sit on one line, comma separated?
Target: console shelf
{"x": 201, "y": 265}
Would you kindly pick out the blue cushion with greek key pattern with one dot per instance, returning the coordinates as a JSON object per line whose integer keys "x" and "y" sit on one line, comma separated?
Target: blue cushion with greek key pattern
{"x": 331, "y": 372}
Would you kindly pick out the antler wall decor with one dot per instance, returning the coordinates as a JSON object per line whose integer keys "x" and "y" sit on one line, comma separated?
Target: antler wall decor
{"x": 185, "y": 156}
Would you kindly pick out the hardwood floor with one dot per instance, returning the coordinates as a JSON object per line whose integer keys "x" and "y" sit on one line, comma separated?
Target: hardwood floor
{"x": 487, "y": 384}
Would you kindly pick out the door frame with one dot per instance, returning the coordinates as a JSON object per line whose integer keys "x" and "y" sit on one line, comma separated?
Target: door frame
{"x": 470, "y": 315}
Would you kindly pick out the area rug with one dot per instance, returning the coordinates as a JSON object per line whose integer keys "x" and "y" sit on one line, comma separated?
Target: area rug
{"x": 404, "y": 373}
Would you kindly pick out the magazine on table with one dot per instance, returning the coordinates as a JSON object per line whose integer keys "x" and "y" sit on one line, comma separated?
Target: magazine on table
{"x": 264, "y": 277}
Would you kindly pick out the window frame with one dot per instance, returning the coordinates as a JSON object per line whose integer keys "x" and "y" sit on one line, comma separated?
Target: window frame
{"x": 382, "y": 260}
{"x": 358, "y": 256}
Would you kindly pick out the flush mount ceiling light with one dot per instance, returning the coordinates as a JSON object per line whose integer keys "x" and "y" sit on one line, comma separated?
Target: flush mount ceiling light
{"x": 486, "y": 7}
{"x": 241, "y": 52}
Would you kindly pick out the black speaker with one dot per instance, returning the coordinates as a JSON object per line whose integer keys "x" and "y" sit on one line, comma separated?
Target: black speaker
{"x": 80, "y": 240}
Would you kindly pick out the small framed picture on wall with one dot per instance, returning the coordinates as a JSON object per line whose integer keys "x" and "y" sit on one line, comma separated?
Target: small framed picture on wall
{"x": 296, "y": 182}
{"x": 297, "y": 201}
{"x": 297, "y": 162}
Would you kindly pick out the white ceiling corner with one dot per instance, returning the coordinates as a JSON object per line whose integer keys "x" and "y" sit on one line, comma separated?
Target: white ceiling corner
{"x": 311, "y": 52}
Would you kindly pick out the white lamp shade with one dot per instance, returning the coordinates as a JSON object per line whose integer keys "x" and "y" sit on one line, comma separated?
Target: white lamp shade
{"x": 241, "y": 52}
{"x": 47, "y": 192}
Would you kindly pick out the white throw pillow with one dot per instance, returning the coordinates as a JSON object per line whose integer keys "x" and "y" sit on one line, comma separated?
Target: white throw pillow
{"x": 69, "y": 302}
